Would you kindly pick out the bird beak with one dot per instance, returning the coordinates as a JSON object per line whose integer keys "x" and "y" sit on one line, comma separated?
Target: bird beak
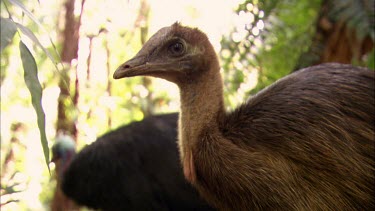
{"x": 133, "y": 67}
{"x": 138, "y": 66}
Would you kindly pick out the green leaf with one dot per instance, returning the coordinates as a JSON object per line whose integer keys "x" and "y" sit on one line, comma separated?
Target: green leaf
{"x": 31, "y": 35}
{"x": 26, "y": 11}
{"x": 33, "y": 84}
{"x": 8, "y": 29}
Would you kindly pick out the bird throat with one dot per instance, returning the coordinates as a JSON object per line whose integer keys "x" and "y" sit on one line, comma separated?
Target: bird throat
{"x": 201, "y": 107}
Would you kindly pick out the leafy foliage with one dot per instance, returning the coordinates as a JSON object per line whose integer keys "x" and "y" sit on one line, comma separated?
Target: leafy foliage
{"x": 266, "y": 44}
{"x": 357, "y": 14}
{"x": 31, "y": 35}
{"x": 8, "y": 30}
{"x": 344, "y": 33}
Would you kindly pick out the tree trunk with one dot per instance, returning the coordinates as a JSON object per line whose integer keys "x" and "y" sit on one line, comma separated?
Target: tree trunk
{"x": 69, "y": 38}
{"x": 335, "y": 40}
{"x": 67, "y": 102}
{"x": 142, "y": 23}
{"x": 109, "y": 76}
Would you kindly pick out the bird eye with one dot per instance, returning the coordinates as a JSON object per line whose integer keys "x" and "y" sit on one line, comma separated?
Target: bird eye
{"x": 177, "y": 48}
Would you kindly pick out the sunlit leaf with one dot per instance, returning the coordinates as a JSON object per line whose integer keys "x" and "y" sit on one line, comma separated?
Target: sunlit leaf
{"x": 8, "y": 29}
{"x": 33, "y": 84}
{"x": 32, "y": 17}
{"x": 26, "y": 11}
{"x": 31, "y": 35}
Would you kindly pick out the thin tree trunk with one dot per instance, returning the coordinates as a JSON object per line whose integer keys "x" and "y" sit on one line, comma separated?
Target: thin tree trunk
{"x": 91, "y": 37}
{"x": 69, "y": 38}
{"x": 109, "y": 76}
{"x": 67, "y": 101}
{"x": 88, "y": 71}
{"x": 142, "y": 23}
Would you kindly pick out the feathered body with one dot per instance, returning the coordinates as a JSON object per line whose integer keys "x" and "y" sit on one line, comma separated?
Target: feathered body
{"x": 304, "y": 143}
{"x": 135, "y": 167}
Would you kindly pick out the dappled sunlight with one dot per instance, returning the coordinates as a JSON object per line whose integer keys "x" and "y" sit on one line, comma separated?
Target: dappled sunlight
{"x": 104, "y": 43}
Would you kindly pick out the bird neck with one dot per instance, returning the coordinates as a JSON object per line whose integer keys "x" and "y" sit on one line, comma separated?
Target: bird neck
{"x": 202, "y": 107}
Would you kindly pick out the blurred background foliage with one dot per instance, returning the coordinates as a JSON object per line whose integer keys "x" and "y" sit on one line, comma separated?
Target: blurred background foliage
{"x": 78, "y": 44}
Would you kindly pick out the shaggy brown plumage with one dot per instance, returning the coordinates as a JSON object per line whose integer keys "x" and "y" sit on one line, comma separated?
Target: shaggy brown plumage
{"x": 304, "y": 143}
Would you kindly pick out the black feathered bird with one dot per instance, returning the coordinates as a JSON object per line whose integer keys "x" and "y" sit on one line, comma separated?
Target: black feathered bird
{"x": 304, "y": 143}
{"x": 63, "y": 151}
{"x": 135, "y": 167}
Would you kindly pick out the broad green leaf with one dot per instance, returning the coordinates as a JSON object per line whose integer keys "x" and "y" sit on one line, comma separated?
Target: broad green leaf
{"x": 26, "y": 31}
{"x": 31, "y": 35}
{"x": 33, "y": 84}
{"x": 8, "y": 29}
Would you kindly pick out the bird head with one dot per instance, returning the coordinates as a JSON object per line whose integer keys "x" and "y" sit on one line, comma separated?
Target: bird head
{"x": 176, "y": 53}
{"x": 63, "y": 152}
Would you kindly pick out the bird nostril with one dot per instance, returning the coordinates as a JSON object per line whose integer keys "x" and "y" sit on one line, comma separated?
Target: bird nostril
{"x": 126, "y": 66}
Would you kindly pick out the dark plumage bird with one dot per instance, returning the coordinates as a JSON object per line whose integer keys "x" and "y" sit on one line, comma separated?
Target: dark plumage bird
{"x": 63, "y": 151}
{"x": 304, "y": 143}
{"x": 135, "y": 167}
